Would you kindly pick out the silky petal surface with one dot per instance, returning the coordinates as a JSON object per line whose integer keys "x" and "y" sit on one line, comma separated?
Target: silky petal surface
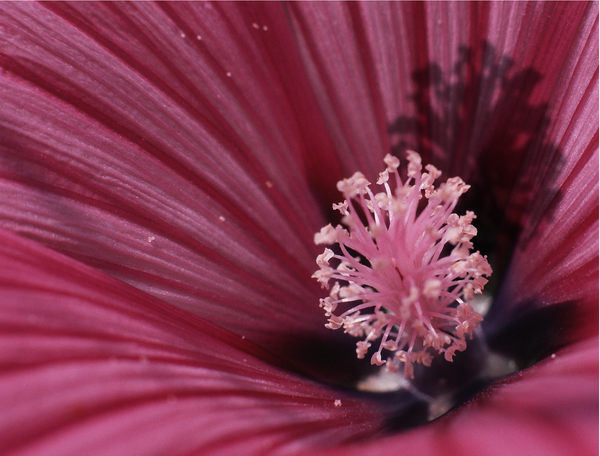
{"x": 436, "y": 75}
{"x": 554, "y": 268}
{"x": 91, "y": 365}
{"x": 560, "y": 237}
{"x": 126, "y": 145}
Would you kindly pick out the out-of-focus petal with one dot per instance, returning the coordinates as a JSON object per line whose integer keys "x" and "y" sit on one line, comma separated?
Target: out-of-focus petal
{"x": 91, "y": 365}
{"x": 153, "y": 142}
{"x": 550, "y": 409}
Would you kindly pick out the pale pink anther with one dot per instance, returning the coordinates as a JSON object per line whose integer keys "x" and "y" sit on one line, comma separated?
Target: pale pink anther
{"x": 394, "y": 284}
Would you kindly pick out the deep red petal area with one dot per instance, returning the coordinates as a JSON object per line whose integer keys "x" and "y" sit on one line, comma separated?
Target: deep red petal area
{"x": 550, "y": 409}
{"x": 556, "y": 259}
{"x": 449, "y": 79}
{"x": 554, "y": 267}
{"x": 91, "y": 365}
{"x": 127, "y": 145}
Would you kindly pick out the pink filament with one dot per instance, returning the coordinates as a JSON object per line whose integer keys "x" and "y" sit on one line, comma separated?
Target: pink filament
{"x": 406, "y": 295}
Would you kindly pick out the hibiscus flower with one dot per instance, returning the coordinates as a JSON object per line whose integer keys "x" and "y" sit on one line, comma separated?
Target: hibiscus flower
{"x": 164, "y": 167}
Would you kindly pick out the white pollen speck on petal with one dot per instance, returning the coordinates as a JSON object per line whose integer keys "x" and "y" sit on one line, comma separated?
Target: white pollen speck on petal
{"x": 553, "y": 355}
{"x": 151, "y": 239}
{"x": 255, "y": 25}
{"x": 269, "y": 184}
{"x": 182, "y": 35}
{"x": 221, "y": 218}
{"x": 265, "y": 28}
{"x": 228, "y": 74}
{"x": 199, "y": 37}
{"x": 337, "y": 403}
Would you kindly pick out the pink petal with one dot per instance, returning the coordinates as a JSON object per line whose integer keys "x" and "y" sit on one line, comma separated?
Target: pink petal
{"x": 560, "y": 254}
{"x": 365, "y": 71}
{"x": 91, "y": 365}
{"x": 126, "y": 146}
{"x": 556, "y": 262}
{"x": 549, "y": 409}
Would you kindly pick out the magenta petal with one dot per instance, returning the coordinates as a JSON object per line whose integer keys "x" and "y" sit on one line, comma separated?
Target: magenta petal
{"x": 558, "y": 255}
{"x": 126, "y": 146}
{"x": 91, "y": 365}
{"x": 556, "y": 260}
{"x": 560, "y": 262}
{"x": 385, "y": 64}
{"x": 550, "y": 409}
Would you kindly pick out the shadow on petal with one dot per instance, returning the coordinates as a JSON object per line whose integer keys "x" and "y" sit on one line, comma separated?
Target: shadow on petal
{"x": 483, "y": 121}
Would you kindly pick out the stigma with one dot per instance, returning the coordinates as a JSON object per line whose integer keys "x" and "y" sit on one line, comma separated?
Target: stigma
{"x": 399, "y": 269}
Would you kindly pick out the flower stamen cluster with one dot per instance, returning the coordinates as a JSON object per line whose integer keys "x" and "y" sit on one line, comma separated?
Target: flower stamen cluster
{"x": 400, "y": 270}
